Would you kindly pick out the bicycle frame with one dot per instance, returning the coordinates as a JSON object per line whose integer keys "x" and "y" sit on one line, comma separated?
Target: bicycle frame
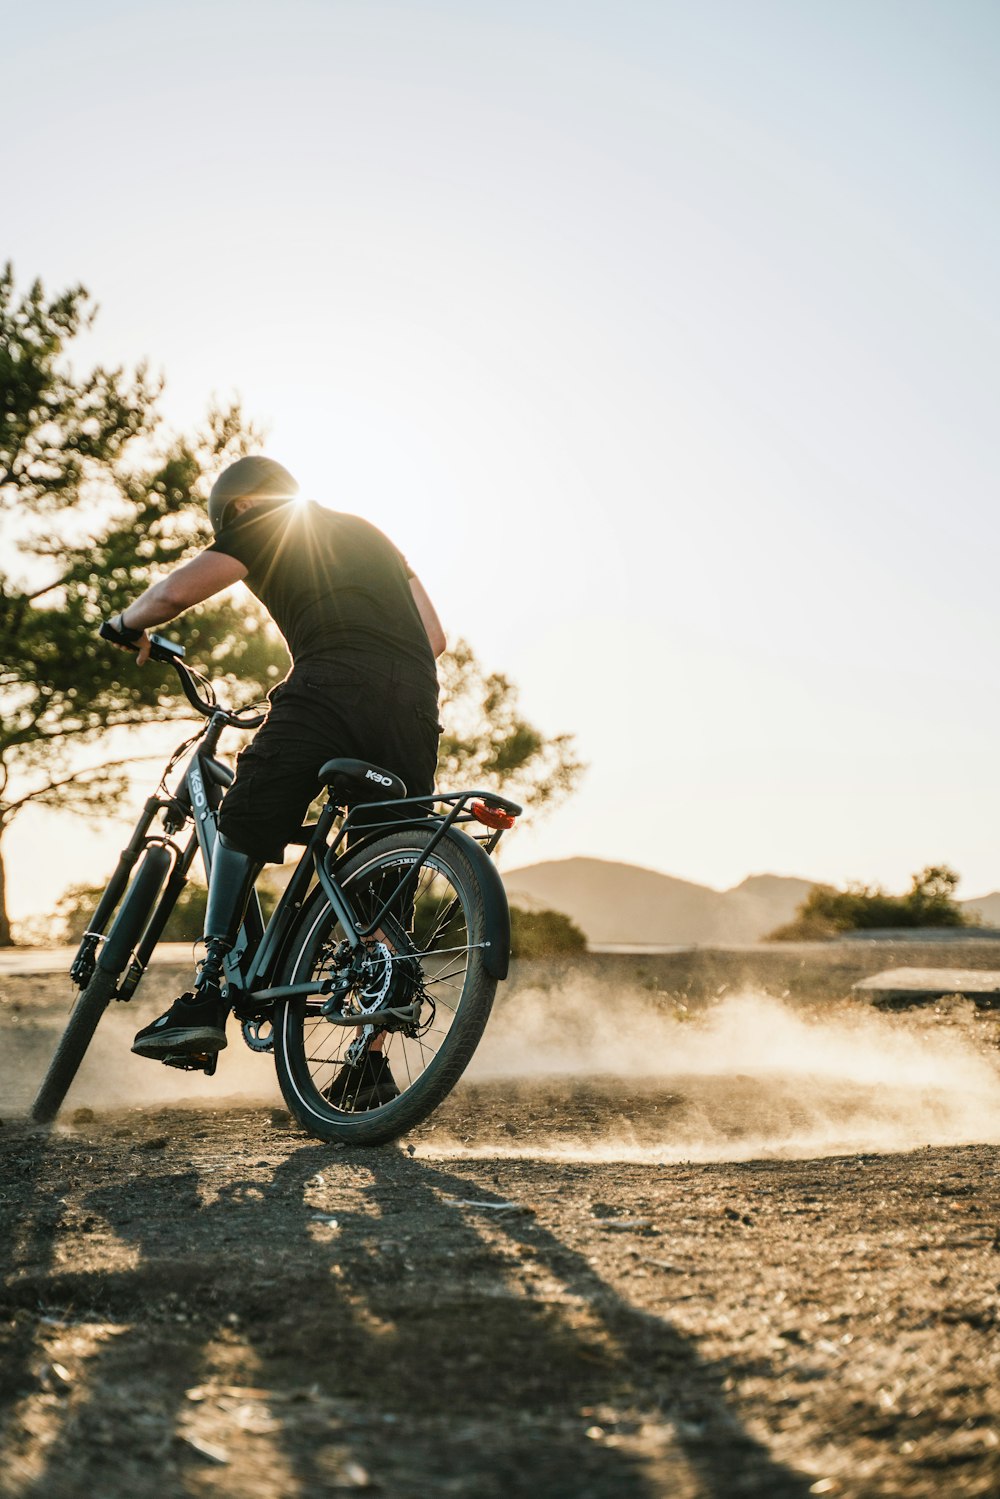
{"x": 197, "y": 795}
{"x": 258, "y": 948}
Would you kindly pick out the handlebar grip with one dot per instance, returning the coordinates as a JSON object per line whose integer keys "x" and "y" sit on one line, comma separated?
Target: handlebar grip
{"x": 107, "y": 631}
{"x": 163, "y": 649}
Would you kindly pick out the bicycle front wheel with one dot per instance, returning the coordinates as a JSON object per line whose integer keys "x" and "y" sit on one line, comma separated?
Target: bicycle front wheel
{"x": 126, "y": 929}
{"x": 427, "y": 956}
{"x": 72, "y": 1048}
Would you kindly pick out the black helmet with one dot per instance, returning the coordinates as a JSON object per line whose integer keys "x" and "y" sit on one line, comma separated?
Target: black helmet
{"x": 256, "y": 477}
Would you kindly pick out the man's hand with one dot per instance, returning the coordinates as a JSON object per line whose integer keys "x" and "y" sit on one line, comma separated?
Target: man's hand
{"x": 132, "y": 639}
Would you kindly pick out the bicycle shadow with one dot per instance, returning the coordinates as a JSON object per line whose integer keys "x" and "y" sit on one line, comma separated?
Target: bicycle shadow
{"x": 390, "y": 1334}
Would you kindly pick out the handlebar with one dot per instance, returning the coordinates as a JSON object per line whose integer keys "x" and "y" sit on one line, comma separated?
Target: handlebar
{"x": 172, "y": 653}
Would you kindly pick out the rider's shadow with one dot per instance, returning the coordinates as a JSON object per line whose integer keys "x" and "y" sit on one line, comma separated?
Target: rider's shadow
{"x": 619, "y": 1358}
{"x": 27, "y": 1246}
{"x": 353, "y": 1319}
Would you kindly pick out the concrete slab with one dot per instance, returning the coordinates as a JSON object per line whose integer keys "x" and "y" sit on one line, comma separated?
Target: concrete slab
{"x": 901, "y": 986}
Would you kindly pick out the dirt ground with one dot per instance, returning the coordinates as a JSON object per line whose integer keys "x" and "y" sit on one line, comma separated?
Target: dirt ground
{"x": 746, "y": 1246}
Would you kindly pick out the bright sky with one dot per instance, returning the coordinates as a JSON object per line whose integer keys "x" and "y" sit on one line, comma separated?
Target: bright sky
{"x": 663, "y": 338}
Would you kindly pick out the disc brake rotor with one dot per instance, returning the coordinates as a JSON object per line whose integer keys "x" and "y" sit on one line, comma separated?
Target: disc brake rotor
{"x": 376, "y": 979}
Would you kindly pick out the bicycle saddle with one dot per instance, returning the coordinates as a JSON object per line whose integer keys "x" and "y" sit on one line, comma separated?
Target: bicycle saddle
{"x": 358, "y": 781}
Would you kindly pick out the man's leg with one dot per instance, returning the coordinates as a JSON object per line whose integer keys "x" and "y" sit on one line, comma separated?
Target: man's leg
{"x": 195, "y": 1024}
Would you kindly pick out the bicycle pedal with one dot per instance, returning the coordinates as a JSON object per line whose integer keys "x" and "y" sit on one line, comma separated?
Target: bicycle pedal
{"x": 192, "y": 1062}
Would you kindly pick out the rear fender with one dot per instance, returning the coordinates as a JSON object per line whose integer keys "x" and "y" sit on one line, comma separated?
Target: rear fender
{"x": 496, "y": 956}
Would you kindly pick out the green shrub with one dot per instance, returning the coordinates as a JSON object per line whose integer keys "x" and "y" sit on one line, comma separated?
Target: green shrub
{"x": 543, "y": 934}
{"x": 826, "y": 912}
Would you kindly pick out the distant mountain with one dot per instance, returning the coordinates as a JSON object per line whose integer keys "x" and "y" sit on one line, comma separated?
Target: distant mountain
{"x": 985, "y": 906}
{"x": 626, "y": 903}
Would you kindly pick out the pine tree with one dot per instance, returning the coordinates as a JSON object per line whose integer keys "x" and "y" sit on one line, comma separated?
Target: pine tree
{"x": 96, "y": 499}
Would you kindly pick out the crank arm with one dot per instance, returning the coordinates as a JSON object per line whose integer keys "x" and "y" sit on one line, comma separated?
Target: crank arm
{"x": 264, "y": 998}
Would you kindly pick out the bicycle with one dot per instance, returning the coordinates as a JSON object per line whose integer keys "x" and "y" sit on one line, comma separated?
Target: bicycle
{"x": 395, "y": 928}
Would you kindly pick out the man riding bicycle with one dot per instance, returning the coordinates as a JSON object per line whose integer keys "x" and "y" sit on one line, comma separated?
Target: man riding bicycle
{"x": 363, "y": 637}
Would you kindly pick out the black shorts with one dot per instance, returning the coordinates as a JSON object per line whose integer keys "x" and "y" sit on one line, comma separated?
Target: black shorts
{"x": 368, "y": 709}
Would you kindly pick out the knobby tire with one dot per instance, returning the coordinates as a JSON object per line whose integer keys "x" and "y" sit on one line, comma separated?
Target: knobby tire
{"x": 72, "y": 1048}
{"x": 130, "y": 922}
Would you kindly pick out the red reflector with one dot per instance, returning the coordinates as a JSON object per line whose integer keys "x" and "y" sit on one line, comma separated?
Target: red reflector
{"x": 492, "y": 817}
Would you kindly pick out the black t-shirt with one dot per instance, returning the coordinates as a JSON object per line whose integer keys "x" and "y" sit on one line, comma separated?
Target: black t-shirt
{"x": 332, "y": 583}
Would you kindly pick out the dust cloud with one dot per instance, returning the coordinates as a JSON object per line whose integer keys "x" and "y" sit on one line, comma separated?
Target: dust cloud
{"x": 588, "y": 1071}
{"x": 747, "y": 1077}
{"x": 111, "y": 1077}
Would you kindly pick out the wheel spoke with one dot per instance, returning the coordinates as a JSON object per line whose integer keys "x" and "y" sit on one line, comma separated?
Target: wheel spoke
{"x": 449, "y": 973}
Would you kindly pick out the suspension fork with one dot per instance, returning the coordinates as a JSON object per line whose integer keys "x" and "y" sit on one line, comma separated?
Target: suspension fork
{"x": 161, "y": 915}
{"x": 83, "y": 964}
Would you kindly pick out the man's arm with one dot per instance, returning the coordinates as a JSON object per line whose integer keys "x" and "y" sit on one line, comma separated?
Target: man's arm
{"x": 428, "y": 614}
{"x": 191, "y": 583}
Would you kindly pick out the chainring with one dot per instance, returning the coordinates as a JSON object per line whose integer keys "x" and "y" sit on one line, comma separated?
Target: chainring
{"x": 258, "y": 1032}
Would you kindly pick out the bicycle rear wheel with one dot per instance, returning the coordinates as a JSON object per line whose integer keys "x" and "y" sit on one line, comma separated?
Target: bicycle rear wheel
{"x": 429, "y": 955}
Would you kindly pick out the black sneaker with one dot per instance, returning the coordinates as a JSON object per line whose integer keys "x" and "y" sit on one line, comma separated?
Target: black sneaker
{"x": 362, "y": 1085}
{"x": 193, "y": 1024}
